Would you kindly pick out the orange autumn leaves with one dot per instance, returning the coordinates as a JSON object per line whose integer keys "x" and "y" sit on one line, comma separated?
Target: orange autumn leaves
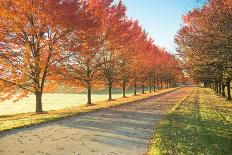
{"x": 85, "y": 44}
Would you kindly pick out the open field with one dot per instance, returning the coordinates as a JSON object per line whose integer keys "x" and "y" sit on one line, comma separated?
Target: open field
{"x": 56, "y": 101}
{"x": 200, "y": 124}
{"x": 124, "y": 130}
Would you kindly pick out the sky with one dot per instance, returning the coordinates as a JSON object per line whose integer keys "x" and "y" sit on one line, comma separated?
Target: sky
{"x": 160, "y": 18}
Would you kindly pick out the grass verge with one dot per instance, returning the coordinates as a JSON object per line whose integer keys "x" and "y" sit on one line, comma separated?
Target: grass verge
{"x": 200, "y": 124}
{"x": 8, "y": 122}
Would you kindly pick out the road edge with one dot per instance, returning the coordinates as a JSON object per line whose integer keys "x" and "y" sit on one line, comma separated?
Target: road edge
{"x": 84, "y": 112}
{"x": 152, "y": 140}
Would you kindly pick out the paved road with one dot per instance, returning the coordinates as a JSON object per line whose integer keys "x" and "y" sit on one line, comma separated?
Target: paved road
{"x": 123, "y": 130}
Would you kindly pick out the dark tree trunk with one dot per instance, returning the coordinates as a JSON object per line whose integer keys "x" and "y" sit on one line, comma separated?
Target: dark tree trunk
{"x": 89, "y": 95}
{"x": 216, "y": 88}
{"x": 110, "y": 91}
{"x": 161, "y": 85}
{"x": 143, "y": 89}
{"x": 228, "y": 89}
{"x": 39, "y": 108}
{"x": 205, "y": 85}
{"x": 220, "y": 88}
{"x": 135, "y": 89}
{"x": 39, "y": 91}
{"x": 154, "y": 89}
{"x": 150, "y": 85}
{"x": 124, "y": 89}
{"x": 223, "y": 90}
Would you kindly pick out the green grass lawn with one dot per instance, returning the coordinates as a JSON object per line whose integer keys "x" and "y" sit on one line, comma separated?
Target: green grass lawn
{"x": 58, "y": 101}
{"x": 200, "y": 124}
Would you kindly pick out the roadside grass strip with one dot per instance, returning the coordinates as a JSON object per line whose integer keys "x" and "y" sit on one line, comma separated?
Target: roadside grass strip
{"x": 8, "y": 122}
{"x": 200, "y": 124}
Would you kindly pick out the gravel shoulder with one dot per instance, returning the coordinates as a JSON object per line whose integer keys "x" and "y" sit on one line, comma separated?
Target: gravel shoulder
{"x": 124, "y": 130}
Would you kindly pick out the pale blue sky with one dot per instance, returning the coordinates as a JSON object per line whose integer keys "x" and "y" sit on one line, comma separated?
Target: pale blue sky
{"x": 160, "y": 18}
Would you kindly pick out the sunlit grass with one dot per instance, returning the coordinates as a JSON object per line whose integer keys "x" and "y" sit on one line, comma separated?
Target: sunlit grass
{"x": 21, "y": 120}
{"x": 200, "y": 124}
{"x": 57, "y": 101}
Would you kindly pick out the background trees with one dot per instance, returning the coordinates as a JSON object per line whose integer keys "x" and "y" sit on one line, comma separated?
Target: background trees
{"x": 205, "y": 44}
{"x": 85, "y": 44}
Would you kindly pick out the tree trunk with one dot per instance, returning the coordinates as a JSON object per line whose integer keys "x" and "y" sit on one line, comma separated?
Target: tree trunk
{"x": 216, "y": 88}
{"x": 150, "y": 85}
{"x": 124, "y": 89}
{"x": 89, "y": 95}
{"x": 143, "y": 89}
{"x": 220, "y": 88}
{"x": 223, "y": 90}
{"x": 205, "y": 85}
{"x": 228, "y": 89}
{"x": 161, "y": 85}
{"x": 39, "y": 108}
{"x": 135, "y": 89}
{"x": 110, "y": 91}
{"x": 154, "y": 89}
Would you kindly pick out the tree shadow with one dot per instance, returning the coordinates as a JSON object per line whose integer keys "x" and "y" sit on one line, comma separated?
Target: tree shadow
{"x": 190, "y": 133}
{"x": 126, "y": 126}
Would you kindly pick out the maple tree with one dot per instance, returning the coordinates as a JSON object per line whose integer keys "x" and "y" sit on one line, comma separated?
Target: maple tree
{"x": 204, "y": 44}
{"x": 138, "y": 55}
{"x": 165, "y": 70}
{"x": 113, "y": 27}
{"x": 31, "y": 32}
{"x": 83, "y": 44}
{"x": 83, "y": 68}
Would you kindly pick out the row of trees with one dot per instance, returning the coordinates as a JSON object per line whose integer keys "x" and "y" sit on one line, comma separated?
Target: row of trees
{"x": 205, "y": 44}
{"x": 80, "y": 43}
